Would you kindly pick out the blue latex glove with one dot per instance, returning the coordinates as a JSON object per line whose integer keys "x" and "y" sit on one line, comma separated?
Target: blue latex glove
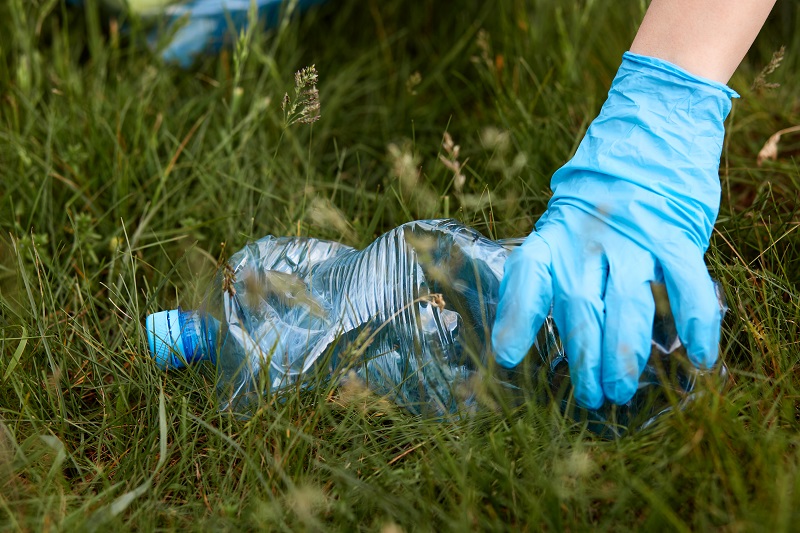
{"x": 636, "y": 204}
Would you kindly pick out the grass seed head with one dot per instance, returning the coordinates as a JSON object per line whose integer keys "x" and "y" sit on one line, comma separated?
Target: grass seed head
{"x": 760, "y": 82}
{"x": 304, "y": 107}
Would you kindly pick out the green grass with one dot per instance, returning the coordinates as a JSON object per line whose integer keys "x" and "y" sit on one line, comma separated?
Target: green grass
{"x": 120, "y": 178}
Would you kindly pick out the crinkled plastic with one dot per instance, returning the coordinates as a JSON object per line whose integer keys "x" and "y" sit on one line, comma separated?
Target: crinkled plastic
{"x": 635, "y": 205}
{"x": 195, "y": 27}
{"x": 410, "y": 315}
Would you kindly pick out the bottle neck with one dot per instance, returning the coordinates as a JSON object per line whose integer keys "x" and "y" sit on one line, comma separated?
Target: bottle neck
{"x": 199, "y": 335}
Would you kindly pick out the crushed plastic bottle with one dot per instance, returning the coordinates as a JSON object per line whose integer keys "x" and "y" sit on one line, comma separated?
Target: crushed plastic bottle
{"x": 410, "y": 315}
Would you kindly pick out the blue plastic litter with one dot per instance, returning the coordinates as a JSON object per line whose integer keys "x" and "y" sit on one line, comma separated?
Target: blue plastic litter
{"x": 196, "y": 27}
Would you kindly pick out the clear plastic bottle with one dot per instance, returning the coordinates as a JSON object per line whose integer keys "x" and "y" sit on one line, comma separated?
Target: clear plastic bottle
{"x": 410, "y": 314}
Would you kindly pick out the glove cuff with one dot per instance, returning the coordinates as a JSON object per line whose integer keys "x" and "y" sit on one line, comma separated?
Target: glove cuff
{"x": 672, "y": 73}
{"x": 659, "y": 138}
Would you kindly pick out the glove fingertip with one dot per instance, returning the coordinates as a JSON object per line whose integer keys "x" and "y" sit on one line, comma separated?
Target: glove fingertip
{"x": 508, "y": 358}
{"x": 588, "y": 397}
{"x": 696, "y": 309}
{"x": 703, "y": 353}
{"x": 700, "y": 332}
{"x": 620, "y": 391}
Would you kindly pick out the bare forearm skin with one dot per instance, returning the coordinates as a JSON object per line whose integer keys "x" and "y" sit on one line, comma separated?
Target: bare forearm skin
{"x": 708, "y": 38}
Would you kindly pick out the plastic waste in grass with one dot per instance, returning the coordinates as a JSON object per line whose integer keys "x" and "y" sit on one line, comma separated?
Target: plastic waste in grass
{"x": 194, "y": 27}
{"x": 410, "y": 315}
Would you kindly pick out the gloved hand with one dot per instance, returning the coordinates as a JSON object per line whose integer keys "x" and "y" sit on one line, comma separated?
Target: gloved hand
{"x": 636, "y": 204}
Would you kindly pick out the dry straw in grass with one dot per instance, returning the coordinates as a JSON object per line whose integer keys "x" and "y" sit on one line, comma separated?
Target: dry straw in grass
{"x": 326, "y": 215}
{"x": 452, "y": 163}
{"x": 770, "y": 148}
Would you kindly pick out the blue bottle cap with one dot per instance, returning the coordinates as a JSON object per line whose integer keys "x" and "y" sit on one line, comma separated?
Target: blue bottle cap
{"x": 165, "y": 338}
